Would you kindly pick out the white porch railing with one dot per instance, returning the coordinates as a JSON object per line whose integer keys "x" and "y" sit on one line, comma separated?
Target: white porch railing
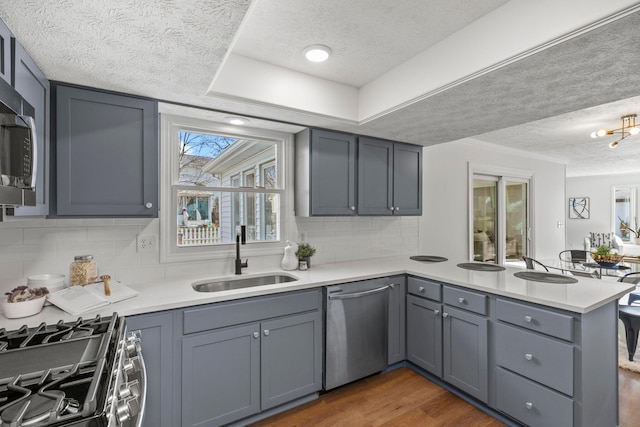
{"x": 194, "y": 236}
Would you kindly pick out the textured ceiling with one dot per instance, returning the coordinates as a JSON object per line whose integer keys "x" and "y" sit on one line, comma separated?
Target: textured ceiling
{"x": 545, "y": 103}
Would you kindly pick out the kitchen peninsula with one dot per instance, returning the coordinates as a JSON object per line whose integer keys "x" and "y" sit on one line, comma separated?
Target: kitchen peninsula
{"x": 555, "y": 342}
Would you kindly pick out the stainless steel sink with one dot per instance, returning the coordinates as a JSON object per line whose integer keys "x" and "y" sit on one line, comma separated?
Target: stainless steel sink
{"x": 241, "y": 282}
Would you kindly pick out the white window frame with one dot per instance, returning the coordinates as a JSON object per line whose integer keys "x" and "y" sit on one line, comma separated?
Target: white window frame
{"x": 170, "y": 126}
{"x": 502, "y": 173}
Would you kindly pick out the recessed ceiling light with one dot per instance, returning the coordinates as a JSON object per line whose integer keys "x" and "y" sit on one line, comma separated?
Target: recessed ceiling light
{"x": 317, "y": 53}
{"x": 238, "y": 121}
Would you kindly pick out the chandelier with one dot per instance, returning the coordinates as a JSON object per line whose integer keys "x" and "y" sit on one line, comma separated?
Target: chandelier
{"x": 628, "y": 128}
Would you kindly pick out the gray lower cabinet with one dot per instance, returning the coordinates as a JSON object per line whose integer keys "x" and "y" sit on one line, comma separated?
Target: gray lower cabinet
{"x": 158, "y": 346}
{"x": 325, "y": 173}
{"x": 397, "y": 315}
{"x": 446, "y": 337}
{"x": 233, "y": 372}
{"x": 389, "y": 178}
{"x": 106, "y": 154}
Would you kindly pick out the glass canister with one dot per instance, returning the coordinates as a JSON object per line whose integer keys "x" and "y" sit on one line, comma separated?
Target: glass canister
{"x": 83, "y": 271}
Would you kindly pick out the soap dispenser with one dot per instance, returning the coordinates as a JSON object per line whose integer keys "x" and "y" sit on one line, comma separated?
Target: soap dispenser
{"x": 289, "y": 260}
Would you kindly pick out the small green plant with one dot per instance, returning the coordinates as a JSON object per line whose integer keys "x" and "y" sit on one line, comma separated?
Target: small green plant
{"x": 305, "y": 250}
{"x": 603, "y": 250}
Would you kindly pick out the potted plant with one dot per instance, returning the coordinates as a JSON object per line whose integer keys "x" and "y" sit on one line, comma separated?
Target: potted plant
{"x": 633, "y": 231}
{"x": 304, "y": 253}
{"x": 605, "y": 257}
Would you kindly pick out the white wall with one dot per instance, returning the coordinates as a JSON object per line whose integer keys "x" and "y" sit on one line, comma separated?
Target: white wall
{"x": 599, "y": 189}
{"x": 444, "y": 224}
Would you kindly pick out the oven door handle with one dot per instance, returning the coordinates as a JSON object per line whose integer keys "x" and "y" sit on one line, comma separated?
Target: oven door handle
{"x": 358, "y": 294}
{"x": 143, "y": 388}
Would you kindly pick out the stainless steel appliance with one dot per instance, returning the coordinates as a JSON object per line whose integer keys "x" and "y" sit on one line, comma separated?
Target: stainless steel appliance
{"x": 87, "y": 373}
{"x": 18, "y": 153}
{"x": 356, "y": 335}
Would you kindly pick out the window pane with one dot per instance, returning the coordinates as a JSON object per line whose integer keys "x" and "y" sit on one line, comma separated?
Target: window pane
{"x": 516, "y": 220}
{"x": 623, "y": 212}
{"x": 484, "y": 220}
{"x": 213, "y": 217}
{"x": 212, "y": 160}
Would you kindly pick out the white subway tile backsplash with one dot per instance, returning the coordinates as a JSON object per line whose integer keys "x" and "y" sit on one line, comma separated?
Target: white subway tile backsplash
{"x": 39, "y": 246}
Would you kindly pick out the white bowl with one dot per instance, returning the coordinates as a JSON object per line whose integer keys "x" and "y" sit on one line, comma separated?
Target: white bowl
{"x": 53, "y": 282}
{"x": 13, "y": 310}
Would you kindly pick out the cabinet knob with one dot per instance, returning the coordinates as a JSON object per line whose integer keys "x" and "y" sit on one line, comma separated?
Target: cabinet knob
{"x": 528, "y": 405}
{"x": 266, "y": 332}
{"x": 461, "y": 300}
{"x": 148, "y": 205}
{"x": 391, "y": 208}
{"x": 436, "y": 312}
{"x": 528, "y": 356}
{"x": 527, "y": 319}
{"x": 256, "y": 335}
{"x": 445, "y": 314}
{"x": 421, "y": 289}
{"x": 353, "y": 208}
{"x": 397, "y": 208}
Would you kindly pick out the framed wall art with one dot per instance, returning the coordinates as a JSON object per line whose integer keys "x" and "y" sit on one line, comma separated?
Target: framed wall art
{"x": 579, "y": 208}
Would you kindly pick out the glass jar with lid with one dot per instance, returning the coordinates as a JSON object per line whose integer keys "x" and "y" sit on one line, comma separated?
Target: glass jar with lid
{"x": 83, "y": 270}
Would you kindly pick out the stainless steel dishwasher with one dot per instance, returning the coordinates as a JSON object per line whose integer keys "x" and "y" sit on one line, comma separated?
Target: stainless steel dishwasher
{"x": 356, "y": 331}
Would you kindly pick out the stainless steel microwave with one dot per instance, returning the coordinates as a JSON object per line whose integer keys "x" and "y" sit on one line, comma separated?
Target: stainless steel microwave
{"x": 18, "y": 152}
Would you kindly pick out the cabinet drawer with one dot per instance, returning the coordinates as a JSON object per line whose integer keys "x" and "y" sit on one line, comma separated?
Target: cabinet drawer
{"x": 467, "y": 300}
{"x": 536, "y": 319}
{"x": 541, "y": 359}
{"x": 424, "y": 288}
{"x": 531, "y": 403}
{"x": 220, "y": 315}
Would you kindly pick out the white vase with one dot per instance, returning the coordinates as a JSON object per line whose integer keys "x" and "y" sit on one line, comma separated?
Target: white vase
{"x": 289, "y": 260}
{"x": 634, "y": 240}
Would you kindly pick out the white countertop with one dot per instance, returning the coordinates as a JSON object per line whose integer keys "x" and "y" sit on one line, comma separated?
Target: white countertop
{"x": 581, "y": 297}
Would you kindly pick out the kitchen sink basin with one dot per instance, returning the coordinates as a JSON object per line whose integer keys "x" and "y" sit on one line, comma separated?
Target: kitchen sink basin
{"x": 241, "y": 282}
{"x": 543, "y": 276}
{"x": 480, "y": 266}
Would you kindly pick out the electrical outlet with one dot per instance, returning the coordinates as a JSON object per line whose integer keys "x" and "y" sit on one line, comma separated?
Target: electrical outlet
{"x": 147, "y": 242}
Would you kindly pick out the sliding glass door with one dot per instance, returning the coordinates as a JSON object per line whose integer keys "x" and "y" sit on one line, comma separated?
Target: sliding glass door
{"x": 500, "y": 218}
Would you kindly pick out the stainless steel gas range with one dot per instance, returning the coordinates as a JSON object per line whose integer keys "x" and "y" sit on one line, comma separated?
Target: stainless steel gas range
{"x": 87, "y": 373}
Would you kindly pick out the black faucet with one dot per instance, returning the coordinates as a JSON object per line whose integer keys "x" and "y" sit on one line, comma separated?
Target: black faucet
{"x": 241, "y": 237}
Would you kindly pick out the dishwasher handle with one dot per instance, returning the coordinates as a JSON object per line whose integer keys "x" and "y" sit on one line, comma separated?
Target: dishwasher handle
{"x": 358, "y": 294}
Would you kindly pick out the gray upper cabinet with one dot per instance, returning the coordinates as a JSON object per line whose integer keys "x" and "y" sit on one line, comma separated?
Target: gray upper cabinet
{"x": 33, "y": 86}
{"x": 107, "y": 154}
{"x": 389, "y": 178}
{"x": 5, "y": 52}
{"x": 325, "y": 173}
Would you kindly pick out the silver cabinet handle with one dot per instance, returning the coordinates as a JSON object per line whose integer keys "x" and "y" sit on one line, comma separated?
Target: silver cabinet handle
{"x": 445, "y": 314}
{"x": 528, "y": 319}
{"x": 529, "y": 405}
{"x": 148, "y": 205}
{"x": 358, "y": 294}
{"x": 266, "y": 332}
{"x": 528, "y": 356}
{"x": 461, "y": 300}
{"x": 256, "y": 335}
{"x": 421, "y": 289}
{"x": 436, "y": 312}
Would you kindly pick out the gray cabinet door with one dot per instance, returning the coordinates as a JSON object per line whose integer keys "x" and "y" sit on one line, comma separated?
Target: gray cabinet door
{"x": 465, "y": 352}
{"x": 157, "y": 349}
{"x": 424, "y": 334}
{"x": 407, "y": 179}
{"x": 5, "y": 51}
{"x": 375, "y": 177}
{"x": 397, "y": 310}
{"x": 221, "y": 376}
{"x": 291, "y": 358}
{"x": 333, "y": 173}
{"x": 106, "y": 154}
{"x": 33, "y": 86}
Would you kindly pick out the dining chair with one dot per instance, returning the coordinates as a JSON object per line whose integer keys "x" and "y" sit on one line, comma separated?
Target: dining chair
{"x": 574, "y": 256}
{"x": 531, "y": 263}
{"x": 635, "y": 279}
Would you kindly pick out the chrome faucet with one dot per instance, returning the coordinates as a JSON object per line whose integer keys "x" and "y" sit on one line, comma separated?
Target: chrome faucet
{"x": 241, "y": 237}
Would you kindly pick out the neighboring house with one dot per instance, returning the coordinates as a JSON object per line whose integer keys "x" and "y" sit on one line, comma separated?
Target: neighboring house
{"x": 200, "y": 208}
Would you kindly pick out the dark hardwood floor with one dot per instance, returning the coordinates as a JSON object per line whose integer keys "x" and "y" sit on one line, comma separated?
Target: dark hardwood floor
{"x": 404, "y": 398}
